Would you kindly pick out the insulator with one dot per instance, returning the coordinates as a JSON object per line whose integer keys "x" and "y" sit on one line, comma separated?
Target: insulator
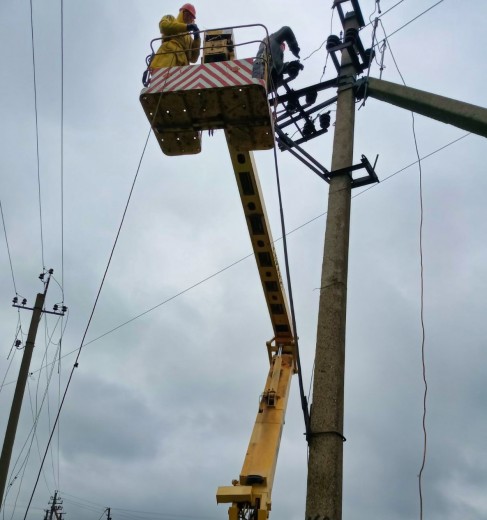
{"x": 351, "y": 35}
{"x": 311, "y": 97}
{"x": 51, "y": 271}
{"x": 332, "y": 41}
{"x": 41, "y": 276}
{"x": 24, "y": 301}
{"x": 292, "y": 105}
{"x": 369, "y": 56}
{"x": 56, "y": 307}
{"x": 17, "y": 342}
{"x": 325, "y": 120}
{"x": 64, "y": 308}
{"x": 308, "y": 129}
{"x": 15, "y": 300}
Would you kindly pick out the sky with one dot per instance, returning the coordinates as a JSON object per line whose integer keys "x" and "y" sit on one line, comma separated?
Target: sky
{"x": 159, "y": 411}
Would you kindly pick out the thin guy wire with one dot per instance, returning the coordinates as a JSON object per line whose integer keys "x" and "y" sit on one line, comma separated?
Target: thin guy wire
{"x": 423, "y": 333}
{"x": 62, "y": 148}
{"x": 35, "y": 432}
{"x": 37, "y": 130}
{"x": 411, "y": 21}
{"x": 372, "y": 186}
{"x": 382, "y": 14}
{"x": 62, "y": 229}
{"x": 12, "y": 348}
{"x": 8, "y": 248}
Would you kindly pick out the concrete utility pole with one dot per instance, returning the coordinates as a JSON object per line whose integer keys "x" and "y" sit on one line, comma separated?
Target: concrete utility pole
{"x": 22, "y": 379}
{"x": 19, "y": 393}
{"x": 56, "y": 507}
{"x": 325, "y": 464}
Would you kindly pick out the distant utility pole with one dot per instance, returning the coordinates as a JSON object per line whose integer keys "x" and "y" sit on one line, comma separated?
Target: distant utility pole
{"x": 325, "y": 463}
{"x": 56, "y": 507}
{"x": 22, "y": 380}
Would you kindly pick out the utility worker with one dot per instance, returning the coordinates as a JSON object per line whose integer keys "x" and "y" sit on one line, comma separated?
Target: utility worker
{"x": 272, "y": 51}
{"x": 182, "y": 49}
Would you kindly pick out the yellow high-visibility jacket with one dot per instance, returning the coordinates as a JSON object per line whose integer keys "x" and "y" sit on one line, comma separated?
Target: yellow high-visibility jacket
{"x": 175, "y": 50}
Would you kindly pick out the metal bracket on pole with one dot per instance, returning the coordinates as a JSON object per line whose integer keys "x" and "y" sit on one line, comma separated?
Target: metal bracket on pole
{"x": 370, "y": 178}
{"x": 286, "y": 143}
{"x": 356, "y": 10}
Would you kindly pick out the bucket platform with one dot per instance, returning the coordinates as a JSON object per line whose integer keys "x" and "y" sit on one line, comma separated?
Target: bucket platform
{"x": 220, "y": 93}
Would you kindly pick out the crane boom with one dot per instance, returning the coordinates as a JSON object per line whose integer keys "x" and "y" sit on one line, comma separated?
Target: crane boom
{"x": 262, "y": 242}
{"x": 252, "y": 491}
{"x": 180, "y": 104}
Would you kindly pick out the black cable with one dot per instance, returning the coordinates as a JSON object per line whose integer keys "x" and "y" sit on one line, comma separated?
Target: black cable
{"x": 62, "y": 230}
{"x": 382, "y": 14}
{"x": 92, "y": 311}
{"x": 372, "y": 186}
{"x": 304, "y": 402}
{"x": 8, "y": 248}
{"x": 411, "y": 21}
{"x": 423, "y": 332}
{"x": 62, "y": 147}
{"x": 37, "y": 131}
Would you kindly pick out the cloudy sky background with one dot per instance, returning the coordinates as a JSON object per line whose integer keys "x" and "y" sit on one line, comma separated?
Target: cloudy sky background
{"x": 159, "y": 412}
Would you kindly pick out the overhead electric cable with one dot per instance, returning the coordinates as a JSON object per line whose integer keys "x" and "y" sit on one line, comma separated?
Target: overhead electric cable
{"x": 304, "y": 402}
{"x": 304, "y": 224}
{"x": 37, "y": 131}
{"x": 381, "y": 14}
{"x": 62, "y": 148}
{"x": 423, "y": 332}
{"x": 8, "y": 248}
{"x": 411, "y": 21}
{"x": 75, "y": 365}
{"x": 62, "y": 232}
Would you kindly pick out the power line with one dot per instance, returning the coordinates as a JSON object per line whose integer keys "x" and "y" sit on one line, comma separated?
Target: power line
{"x": 381, "y": 14}
{"x": 75, "y": 365}
{"x": 411, "y": 21}
{"x": 8, "y": 248}
{"x": 304, "y": 224}
{"x": 37, "y": 130}
{"x": 304, "y": 402}
{"x": 423, "y": 332}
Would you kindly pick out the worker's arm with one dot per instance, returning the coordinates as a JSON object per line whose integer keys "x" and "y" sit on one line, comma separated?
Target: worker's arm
{"x": 169, "y": 26}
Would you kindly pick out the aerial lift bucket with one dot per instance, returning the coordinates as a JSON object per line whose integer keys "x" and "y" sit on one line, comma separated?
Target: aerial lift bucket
{"x": 220, "y": 93}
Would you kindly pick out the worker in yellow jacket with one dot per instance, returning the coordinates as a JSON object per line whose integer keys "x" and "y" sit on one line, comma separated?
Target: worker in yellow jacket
{"x": 182, "y": 49}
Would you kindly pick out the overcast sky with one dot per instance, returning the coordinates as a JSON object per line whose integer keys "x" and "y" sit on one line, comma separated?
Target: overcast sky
{"x": 160, "y": 411}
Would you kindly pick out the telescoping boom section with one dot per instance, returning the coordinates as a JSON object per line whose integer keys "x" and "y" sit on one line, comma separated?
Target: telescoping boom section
{"x": 221, "y": 93}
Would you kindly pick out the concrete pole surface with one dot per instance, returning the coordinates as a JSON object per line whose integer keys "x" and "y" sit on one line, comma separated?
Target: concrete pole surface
{"x": 450, "y": 111}
{"x": 325, "y": 464}
{"x": 19, "y": 394}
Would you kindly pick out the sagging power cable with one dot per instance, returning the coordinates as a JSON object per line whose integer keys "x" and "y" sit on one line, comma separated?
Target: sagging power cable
{"x": 304, "y": 401}
{"x": 236, "y": 262}
{"x": 75, "y": 365}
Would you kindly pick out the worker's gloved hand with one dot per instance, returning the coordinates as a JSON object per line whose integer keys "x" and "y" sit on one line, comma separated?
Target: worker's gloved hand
{"x": 292, "y": 68}
{"x": 192, "y": 27}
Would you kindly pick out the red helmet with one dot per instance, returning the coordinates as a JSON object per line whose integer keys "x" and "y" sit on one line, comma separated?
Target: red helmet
{"x": 190, "y": 8}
